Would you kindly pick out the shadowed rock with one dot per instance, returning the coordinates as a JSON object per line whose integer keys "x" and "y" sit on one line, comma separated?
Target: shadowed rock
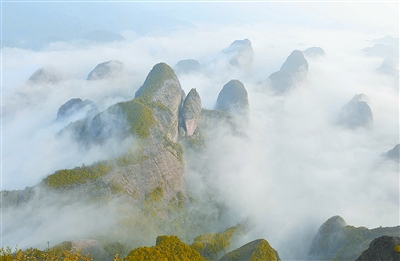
{"x": 77, "y": 109}
{"x": 191, "y": 112}
{"x": 233, "y": 98}
{"x": 240, "y": 53}
{"x": 314, "y": 52}
{"x": 257, "y": 250}
{"x": 356, "y": 113}
{"x": 187, "y": 66}
{"x": 292, "y": 72}
{"x": 45, "y": 75}
{"x": 393, "y": 154}
{"x": 383, "y": 248}
{"x": 106, "y": 70}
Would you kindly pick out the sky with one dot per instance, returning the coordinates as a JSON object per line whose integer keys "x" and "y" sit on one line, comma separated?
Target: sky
{"x": 297, "y": 169}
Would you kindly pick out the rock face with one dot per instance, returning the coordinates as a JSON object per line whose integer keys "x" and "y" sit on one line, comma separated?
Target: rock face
{"x": 389, "y": 66}
{"x": 233, "y": 98}
{"x": 257, "y": 250}
{"x": 187, "y": 66}
{"x": 240, "y": 53}
{"x": 106, "y": 70}
{"x": 45, "y": 75}
{"x": 335, "y": 240}
{"x": 314, "y": 52}
{"x": 90, "y": 246}
{"x": 77, "y": 109}
{"x": 356, "y": 113}
{"x": 191, "y": 112}
{"x": 292, "y": 72}
{"x": 393, "y": 154}
{"x": 383, "y": 248}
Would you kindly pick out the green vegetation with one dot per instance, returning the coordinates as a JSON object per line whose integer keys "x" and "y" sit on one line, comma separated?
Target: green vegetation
{"x": 257, "y": 250}
{"x": 139, "y": 116}
{"x": 168, "y": 248}
{"x": 233, "y": 96}
{"x": 212, "y": 245}
{"x": 33, "y": 254}
{"x": 81, "y": 175}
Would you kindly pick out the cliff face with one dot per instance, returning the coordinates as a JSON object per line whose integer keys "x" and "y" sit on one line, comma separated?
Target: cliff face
{"x": 191, "y": 112}
{"x": 383, "y": 248}
{"x": 292, "y": 72}
{"x": 335, "y": 240}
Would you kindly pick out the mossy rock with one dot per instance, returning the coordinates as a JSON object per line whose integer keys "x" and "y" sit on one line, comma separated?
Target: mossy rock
{"x": 257, "y": 250}
{"x": 168, "y": 248}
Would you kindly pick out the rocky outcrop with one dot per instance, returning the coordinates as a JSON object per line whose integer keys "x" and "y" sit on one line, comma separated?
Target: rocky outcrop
{"x": 257, "y": 250}
{"x": 356, "y": 113}
{"x": 240, "y": 53}
{"x": 106, "y": 70}
{"x": 77, "y": 109}
{"x": 162, "y": 93}
{"x": 314, "y": 52}
{"x": 187, "y": 66}
{"x": 191, "y": 112}
{"x": 389, "y": 66}
{"x": 393, "y": 154}
{"x": 233, "y": 98}
{"x": 45, "y": 75}
{"x": 335, "y": 240}
{"x": 383, "y": 248}
{"x": 89, "y": 246}
{"x": 292, "y": 72}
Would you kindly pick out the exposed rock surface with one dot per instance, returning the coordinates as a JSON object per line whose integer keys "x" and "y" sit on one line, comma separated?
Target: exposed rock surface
{"x": 233, "y": 98}
{"x": 393, "y": 154}
{"x": 240, "y": 53}
{"x": 106, "y": 70}
{"x": 257, "y": 250}
{"x": 78, "y": 108}
{"x": 335, "y": 240}
{"x": 89, "y": 246}
{"x": 314, "y": 52}
{"x": 356, "y": 113}
{"x": 384, "y": 248}
{"x": 292, "y": 72}
{"x": 191, "y": 112}
{"x": 187, "y": 66}
{"x": 45, "y": 75}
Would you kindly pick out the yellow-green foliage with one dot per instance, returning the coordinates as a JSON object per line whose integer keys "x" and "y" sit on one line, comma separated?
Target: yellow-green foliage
{"x": 156, "y": 195}
{"x": 176, "y": 148}
{"x": 211, "y": 245}
{"x": 139, "y": 116}
{"x": 33, "y": 254}
{"x": 79, "y": 175}
{"x": 397, "y": 248}
{"x": 258, "y": 250}
{"x": 168, "y": 248}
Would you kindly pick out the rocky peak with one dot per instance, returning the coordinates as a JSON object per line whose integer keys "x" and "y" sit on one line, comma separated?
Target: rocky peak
{"x": 389, "y": 66}
{"x": 356, "y": 113}
{"x": 233, "y": 98}
{"x": 187, "y": 66}
{"x": 314, "y": 52}
{"x": 257, "y": 250}
{"x": 292, "y": 72}
{"x": 240, "y": 53}
{"x": 44, "y": 75}
{"x": 393, "y": 154}
{"x": 106, "y": 70}
{"x": 77, "y": 109}
{"x": 191, "y": 112}
{"x": 163, "y": 94}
